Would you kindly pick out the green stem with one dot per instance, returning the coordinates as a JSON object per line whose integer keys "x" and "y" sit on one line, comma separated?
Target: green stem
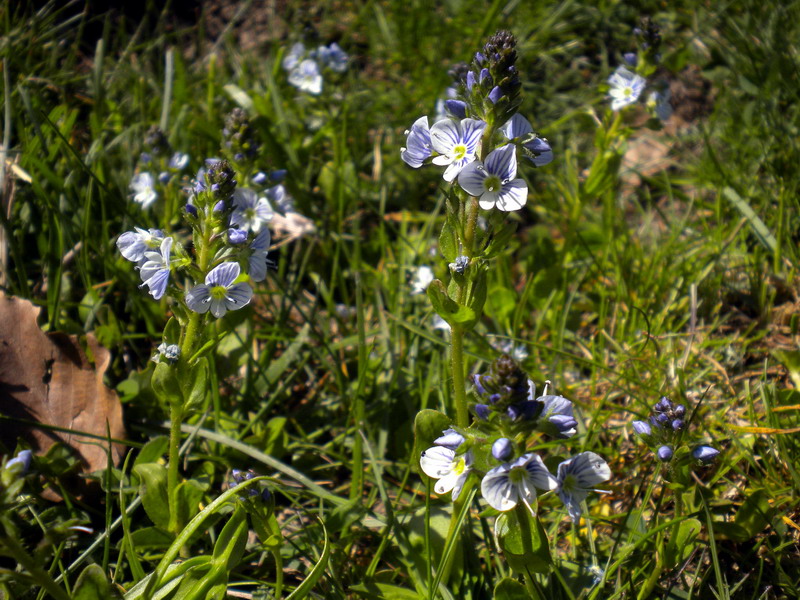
{"x": 42, "y": 577}
{"x": 527, "y": 544}
{"x": 459, "y": 383}
{"x": 176, "y": 419}
{"x": 473, "y": 209}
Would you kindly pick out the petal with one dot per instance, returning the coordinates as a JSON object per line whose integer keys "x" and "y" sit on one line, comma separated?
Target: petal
{"x": 238, "y": 296}
{"x": 131, "y": 246}
{"x": 158, "y": 283}
{"x": 543, "y": 159}
{"x": 166, "y": 249}
{"x": 198, "y": 298}
{"x": 446, "y": 134}
{"x": 489, "y": 200}
{"x": 223, "y": 274}
{"x": 244, "y": 198}
{"x": 516, "y": 127}
{"x": 437, "y": 462}
{"x": 448, "y": 482}
{"x": 473, "y": 130}
{"x": 513, "y": 196}
{"x": 262, "y": 240}
{"x": 258, "y": 265}
{"x": 572, "y": 500}
{"x": 459, "y": 484}
{"x": 498, "y": 490}
{"x": 452, "y": 171}
{"x": 442, "y": 160}
{"x": 218, "y": 307}
{"x": 537, "y": 472}
{"x": 590, "y": 469}
{"x": 503, "y": 162}
{"x": 471, "y": 178}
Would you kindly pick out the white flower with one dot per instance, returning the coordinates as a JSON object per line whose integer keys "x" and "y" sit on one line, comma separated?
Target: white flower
{"x": 249, "y": 211}
{"x": 178, "y": 161}
{"x": 626, "y": 87}
{"x": 306, "y": 77}
{"x": 142, "y": 187}
{"x": 504, "y": 486}
{"x": 456, "y": 143}
{"x": 293, "y": 57}
{"x": 452, "y": 471}
{"x": 576, "y": 478}
{"x": 494, "y": 183}
{"x": 421, "y": 280}
{"x": 219, "y": 294}
{"x": 155, "y": 269}
{"x": 133, "y": 244}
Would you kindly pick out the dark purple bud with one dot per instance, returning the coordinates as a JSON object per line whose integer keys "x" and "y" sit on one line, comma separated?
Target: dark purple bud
{"x": 485, "y": 77}
{"x": 502, "y": 449}
{"x": 163, "y": 177}
{"x": 219, "y": 206}
{"x": 238, "y": 475}
{"x": 705, "y": 453}
{"x": 679, "y": 411}
{"x": 23, "y": 459}
{"x": 237, "y": 236}
{"x": 191, "y": 209}
{"x": 666, "y": 404}
{"x": 476, "y": 381}
{"x": 528, "y": 409}
{"x": 662, "y": 418}
{"x": 451, "y": 439}
{"x": 238, "y": 157}
{"x": 266, "y": 495}
{"x": 457, "y": 108}
{"x": 480, "y": 58}
{"x": 495, "y": 95}
{"x": 259, "y": 178}
{"x": 642, "y": 428}
{"x": 494, "y": 398}
{"x": 664, "y": 453}
{"x": 630, "y": 58}
{"x": 482, "y": 410}
{"x": 278, "y": 175}
{"x": 677, "y": 425}
{"x": 470, "y": 80}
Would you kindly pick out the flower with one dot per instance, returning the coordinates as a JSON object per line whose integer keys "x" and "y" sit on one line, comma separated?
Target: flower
{"x": 171, "y": 352}
{"x": 421, "y": 280}
{"x": 705, "y": 454}
{"x": 456, "y": 142}
{"x": 504, "y": 486}
{"x": 278, "y": 197}
{"x": 155, "y": 270}
{"x": 23, "y": 459}
{"x": 558, "y": 412}
{"x": 452, "y": 471}
{"x": 460, "y": 265}
{"x": 336, "y": 58}
{"x": 250, "y": 211}
{"x": 306, "y": 77}
{"x": 219, "y": 294}
{"x": 518, "y": 127}
{"x": 659, "y": 103}
{"x": 494, "y": 183}
{"x": 450, "y": 438}
{"x": 418, "y": 144}
{"x": 258, "y": 261}
{"x": 576, "y": 477}
{"x": 293, "y": 57}
{"x": 179, "y": 161}
{"x": 142, "y": 186}
{"x": 626, "y": 87}
{"x": 133, "y": 244}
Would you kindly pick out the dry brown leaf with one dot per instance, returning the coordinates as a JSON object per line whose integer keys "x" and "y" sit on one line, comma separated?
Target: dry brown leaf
{"x": 47, "y": 377}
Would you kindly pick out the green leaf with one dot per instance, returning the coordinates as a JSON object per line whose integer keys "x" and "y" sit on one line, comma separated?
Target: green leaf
{"x": 308, "y": 583}
{"x": 477, "y": 295}
{"x": 441, "y": 302}
{"x": 276, "y": 437}
{"x": 190, "y": 495}
{"x": 448, "y": 242}
{"x": 195, "y": 385}
{"x": 172, "y": 331}
{"x": 500, "y": 240}
{"x": 165, "y": 384}
{"x": 383, "y": 591}
{"x": 230, "y": 544}
{"x": 428, "y": 425}
{"x": 758, "y": 227}
{"x": 153, "y": 490}
{"x": 510, "y": 589}
{"x": 679, "y": 548}
{"x": 152, "y": 450}
{"x": 92, "y": 584}
{"x": 510, "y": 535}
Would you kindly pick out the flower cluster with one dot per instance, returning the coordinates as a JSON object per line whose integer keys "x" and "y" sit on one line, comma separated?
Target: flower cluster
{"x": 305, "y": 67}
{"x": 478, "y": 140}
{"x": 664, "y": 433}
{"x": 229, "y": 232}
{"x": 626, "y": 86}
{"x": 158, "y": 166}
{"x": 508, "y": 417}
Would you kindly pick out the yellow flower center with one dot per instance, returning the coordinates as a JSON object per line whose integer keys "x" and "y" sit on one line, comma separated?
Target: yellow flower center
{"x": 459, "y": 151}
{"x": 218, "y": 292}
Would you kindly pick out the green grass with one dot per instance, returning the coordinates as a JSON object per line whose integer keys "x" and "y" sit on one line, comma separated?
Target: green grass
{"x": 684, "y": 286}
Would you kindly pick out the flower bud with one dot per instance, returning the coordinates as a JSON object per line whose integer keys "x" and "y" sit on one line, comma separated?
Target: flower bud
{"x": 705, "y": 454}
{"x": 451, "y": 439}
{"x": 642, "y": 428}
{"x": 237, "y": 236}
{"x": 679, "y": 411}
{"x": 23, "y": 460}
{"x": 502, "y": 449}
{"x": 677, "y": 425}
{"x": 664, "y": 453}
{"x": 457, "y": 108}
{"x": 482, "y": 411}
